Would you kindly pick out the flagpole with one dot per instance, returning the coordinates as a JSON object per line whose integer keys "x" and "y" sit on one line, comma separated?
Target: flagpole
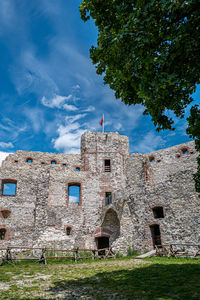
{"x": 103, "y": 122}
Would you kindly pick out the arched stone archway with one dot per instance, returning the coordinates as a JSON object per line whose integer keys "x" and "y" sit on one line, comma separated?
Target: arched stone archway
{"x": 111, "y": 224}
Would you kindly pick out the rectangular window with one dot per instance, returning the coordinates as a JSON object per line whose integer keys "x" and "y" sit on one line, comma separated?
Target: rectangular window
{"x": 108, "y": 198}
{"x": 107, "y": 166}
{"x": 9, "y": 187}
{"x": 2, "y": 234}
{"x": 158, "y": 212}
{"x": 74, "y": 193}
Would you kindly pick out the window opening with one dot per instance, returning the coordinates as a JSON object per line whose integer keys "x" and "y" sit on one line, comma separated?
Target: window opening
{"x": 2, "y": 234}
{"x": 108, "y": 198}
{"x": 74, "y": 193}
{"x": 5, "y": 213}
{"x": 158, "y": 212}
{"x": 107, "y": 166}
{"x": 151, "y": 158}
{"x": 77, "y": 169}
{"x": 68, "y": 230}
{"x": 155, "y": 234}
{"x": 53, "y": 162}
{"x": 29, "y": 160}
{"x": 9, "y": 188}
{"x": 64, "y": 165}
{"x": 184, "y": 150}
{"x": 42, "y": 163}
{"x": 16, "y": 161}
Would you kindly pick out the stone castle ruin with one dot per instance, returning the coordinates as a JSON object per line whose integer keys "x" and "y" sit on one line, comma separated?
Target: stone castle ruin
{"x": 101, "y": 197}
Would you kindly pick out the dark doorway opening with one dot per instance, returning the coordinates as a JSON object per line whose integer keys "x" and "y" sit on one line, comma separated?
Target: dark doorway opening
{"x": 102, "y": 243}
{"x": 155, "y": 234}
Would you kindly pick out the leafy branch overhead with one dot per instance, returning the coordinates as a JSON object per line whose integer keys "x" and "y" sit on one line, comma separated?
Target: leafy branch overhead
{"x": 148, "y": 53}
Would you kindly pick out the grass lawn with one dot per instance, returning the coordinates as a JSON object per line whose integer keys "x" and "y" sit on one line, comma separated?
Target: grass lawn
{"x": 153, "y": 278}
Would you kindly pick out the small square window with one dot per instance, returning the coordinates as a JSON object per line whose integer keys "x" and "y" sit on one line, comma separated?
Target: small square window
{"x": 107, "y": 165}
{"x": 158, "y": 212}
{"x": 77, "y": 169}
{"x": 108, "y": 196}
{"x": 9, "y": 188}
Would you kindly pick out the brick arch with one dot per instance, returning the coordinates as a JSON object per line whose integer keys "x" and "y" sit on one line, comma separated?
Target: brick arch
{"x": 5, "y": 213}
{"x": 53, "y": 161}
{"x": 183, "y": 150}
{"x": 29, "y": 158}
{"x": 7, "y": 232}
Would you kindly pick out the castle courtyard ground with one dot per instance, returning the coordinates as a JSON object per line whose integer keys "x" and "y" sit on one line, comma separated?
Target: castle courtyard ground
{"x": 126, "y": 278}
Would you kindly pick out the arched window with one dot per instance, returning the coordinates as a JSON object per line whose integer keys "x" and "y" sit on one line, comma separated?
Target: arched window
{"x": 151, "y": 158}
{"x": 5, "y": 213}
{"x": 184, "y": 150}
{"x": 53, "y": 162}
{"x": 2, "y": 234}
{"x": 9, "y": 187}
{"x": 68, "y": 230}
{"x": 74, "y": 193}
{"x": 29, "y": 160}
{"x": 77, "y": 169}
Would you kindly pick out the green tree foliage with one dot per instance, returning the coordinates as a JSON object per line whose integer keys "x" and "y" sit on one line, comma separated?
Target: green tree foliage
{"x": 194, "y": 132}
{"x": 149, "y": 54}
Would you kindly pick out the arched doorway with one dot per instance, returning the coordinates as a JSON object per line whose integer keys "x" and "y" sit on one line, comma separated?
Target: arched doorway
{"x": 102, "y": 242}
{"x": 111, "y": 223}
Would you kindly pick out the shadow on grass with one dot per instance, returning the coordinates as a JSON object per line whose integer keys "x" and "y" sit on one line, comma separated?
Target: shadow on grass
{"x": 157, "y": 281}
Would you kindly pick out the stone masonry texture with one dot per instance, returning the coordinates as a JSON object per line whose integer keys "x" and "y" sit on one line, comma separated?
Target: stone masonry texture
{"x": 40, "y": 212}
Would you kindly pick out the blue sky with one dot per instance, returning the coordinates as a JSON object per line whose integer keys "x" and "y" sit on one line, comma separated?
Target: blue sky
{"x": 49, "y": 91}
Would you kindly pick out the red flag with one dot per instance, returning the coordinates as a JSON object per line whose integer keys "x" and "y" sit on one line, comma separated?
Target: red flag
{"x": 101, "y": 122}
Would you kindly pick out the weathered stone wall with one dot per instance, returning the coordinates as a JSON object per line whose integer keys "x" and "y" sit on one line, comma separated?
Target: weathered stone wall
{"x": 166, "y": 182}
{"x": 40, "y": 211}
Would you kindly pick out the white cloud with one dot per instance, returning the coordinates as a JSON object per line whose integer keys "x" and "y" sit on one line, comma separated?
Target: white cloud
{"x": 6, "y": 145}
{"x": 69, "y": 135}
{"x": 32, "y": 74}
{"x": 36, "y": 117}
{"x": 70, "y": 107}
{"x": 90, "y": 109}
{"x": 3, "y": 155}
{"x": 57, "y": 101}
{"x": 76, "y": 87}
{"x": 149, "y": 143}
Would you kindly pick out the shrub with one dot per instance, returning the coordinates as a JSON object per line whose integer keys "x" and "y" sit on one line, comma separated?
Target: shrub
{"x": 131, "y": 251}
